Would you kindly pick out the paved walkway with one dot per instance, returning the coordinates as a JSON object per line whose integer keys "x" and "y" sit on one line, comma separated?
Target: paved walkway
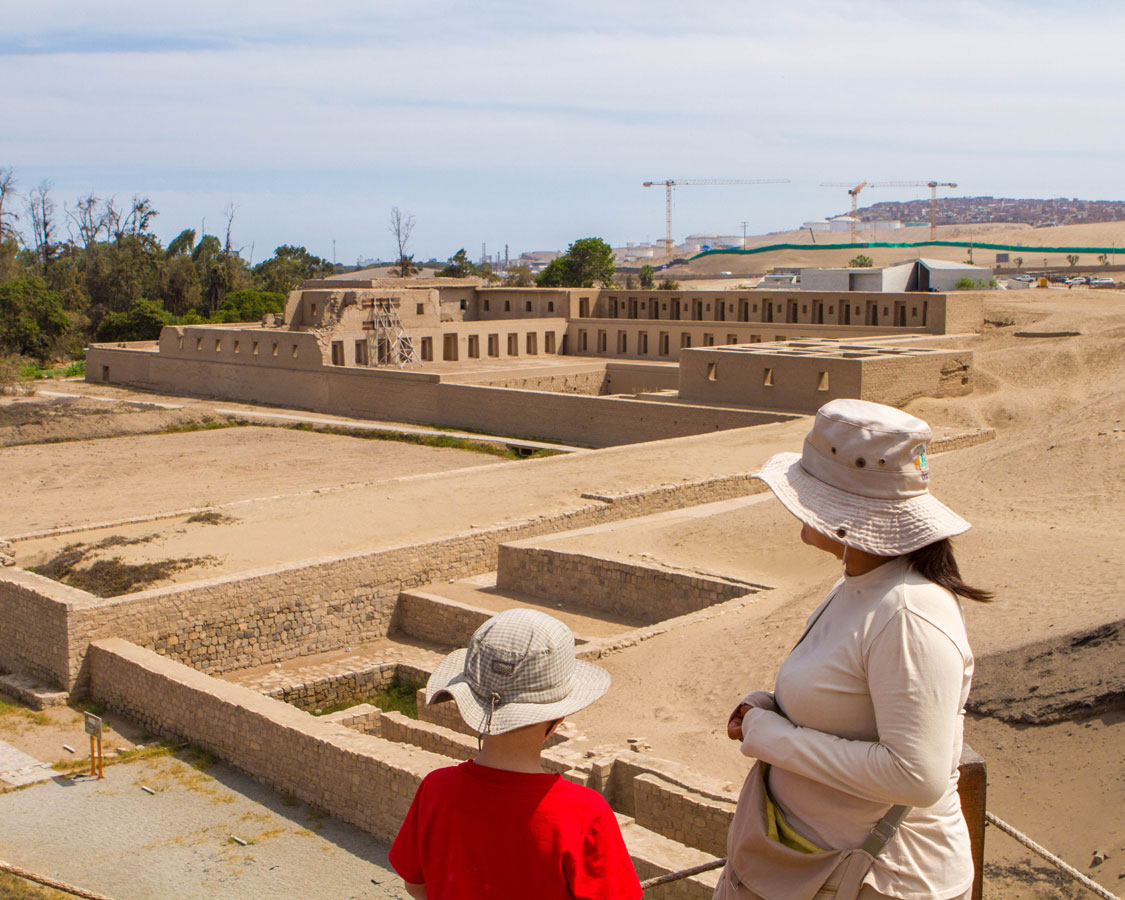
{"x": 17, "y": 768}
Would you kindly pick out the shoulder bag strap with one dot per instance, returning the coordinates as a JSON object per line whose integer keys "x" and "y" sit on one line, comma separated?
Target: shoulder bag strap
{"x": 884, "y": 830}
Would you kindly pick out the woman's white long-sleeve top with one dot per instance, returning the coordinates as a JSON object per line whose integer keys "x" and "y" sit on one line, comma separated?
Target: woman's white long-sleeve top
{"x": 873, "y": 700}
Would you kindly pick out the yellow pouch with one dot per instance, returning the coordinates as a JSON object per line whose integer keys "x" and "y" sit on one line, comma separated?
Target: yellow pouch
{"x": 781, "y": 831}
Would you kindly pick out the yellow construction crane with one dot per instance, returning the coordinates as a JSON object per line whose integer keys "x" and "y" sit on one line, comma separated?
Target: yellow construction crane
{"x": 671, "y": 183}
{"x": 933, "y": 186}
{"x": 853, "y": 192}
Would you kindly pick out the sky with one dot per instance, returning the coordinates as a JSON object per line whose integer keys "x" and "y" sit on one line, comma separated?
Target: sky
{"x": 531, "y": 125}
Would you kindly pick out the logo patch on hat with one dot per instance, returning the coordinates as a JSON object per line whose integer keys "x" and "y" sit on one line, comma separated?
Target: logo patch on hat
{"x": 921, "y": 464}
{"x": 502, "y": 667}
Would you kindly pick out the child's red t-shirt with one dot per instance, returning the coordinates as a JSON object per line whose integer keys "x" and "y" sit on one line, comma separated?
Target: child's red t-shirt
{"x": 475, "y": 832}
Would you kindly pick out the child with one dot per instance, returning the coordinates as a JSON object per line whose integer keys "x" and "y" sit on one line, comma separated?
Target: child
{"x": 499, "y": 826}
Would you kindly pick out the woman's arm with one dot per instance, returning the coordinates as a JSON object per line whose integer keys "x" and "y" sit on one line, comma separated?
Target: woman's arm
{"x": 417, "y": 891}
{"x": 915, "y": 675}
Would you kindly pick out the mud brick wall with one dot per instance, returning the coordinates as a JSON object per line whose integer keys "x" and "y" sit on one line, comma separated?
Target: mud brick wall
{"x": 590, "y": 384}
{"x": 682, "y": 815}
{"x": 364, "y": 718}
{"x": 639, "y": 594}
{"x": 436, "y": 619}
{"x": 364, "y": 780}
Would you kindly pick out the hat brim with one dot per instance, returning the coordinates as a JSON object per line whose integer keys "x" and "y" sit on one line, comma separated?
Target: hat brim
{"x": 882, "y": 527}
{"x": 448, "y": 681}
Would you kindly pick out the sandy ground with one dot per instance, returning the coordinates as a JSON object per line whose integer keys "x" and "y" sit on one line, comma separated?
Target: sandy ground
{"x": 301, "y": 525}
{"x": 55, "y": 485}
{"x": 176, "y": 843}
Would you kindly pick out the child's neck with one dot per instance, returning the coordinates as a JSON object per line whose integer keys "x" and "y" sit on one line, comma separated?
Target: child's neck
{"x": 516, "y": 751}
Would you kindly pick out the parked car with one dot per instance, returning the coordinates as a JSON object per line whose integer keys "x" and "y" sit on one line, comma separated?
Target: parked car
{"x": 1023, "y": 278}
{"x": 1057, "y": 279}
{"x": 1077, "y": 279}
{"x": 1094, "y": 281}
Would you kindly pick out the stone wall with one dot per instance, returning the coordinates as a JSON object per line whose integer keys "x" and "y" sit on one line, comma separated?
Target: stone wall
{"x": 281, "y": 612}
{"x": 362, "y": 779}
{"x": 681, "y": 814}
{"x": 428, "y": 617}
{"x": 347, "y": 687}
{"x": 33, "y": 624}
{"x": 638, "y": 594}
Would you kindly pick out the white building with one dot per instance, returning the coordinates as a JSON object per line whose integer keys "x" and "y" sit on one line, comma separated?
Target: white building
{"x": 913, "y": 275}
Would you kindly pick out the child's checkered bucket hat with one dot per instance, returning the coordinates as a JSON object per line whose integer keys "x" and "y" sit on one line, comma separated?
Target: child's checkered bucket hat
{"x": 519, "y": 669}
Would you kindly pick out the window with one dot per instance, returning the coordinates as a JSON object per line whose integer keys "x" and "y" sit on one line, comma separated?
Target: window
{"x": 199, "y": 343}
{"x": 642, "y": 343}
{"x": 513, "y": 345}
{"x": 494, "y": 345}
{"x": 464, "y": 303}
{"x": 427, "y": 349}
{"x": 361, "y": 353}
{"x": 822, "y": 382}
{"x": 295, "y": 351}
{"x": 581, "y": 340}
{"x": 486, "y": 306}
{"x": 712, "y": 369}
{"x": 105, "y": 373}
{"x": 507, "y": 306}
{"x": 755, "y": 339}
{"x": 254, "y": 348}
{"x": 622, "y": 342}
{"x": 274, "y": 352}
{"x": 549, "y": 342}
{"x": 474, "y": 346}
{"x": 779, "y": 337}
{"x": 236, "y": 343}
{"x": 527, "y": 307}
{"x": 601, "y": 340}
{"x": 312, "y": 310}
{"x": 663, "y": 343}
{"x": 584, "y": 307}
{"x": 180, "y": 342}
{"x": 421, "y": 308}
{"x": 708, "y": 340}
{"x": 449, "y": 347}
{"x": 531, "y": 345}
{"x": 685, "y": 340}
{"x": 732, "y": 338}
{"x": 218, "y": 345}
{"x": 337, "y": 353}
{"x": 550, "y": 306}
{"x": 767, "y": 377}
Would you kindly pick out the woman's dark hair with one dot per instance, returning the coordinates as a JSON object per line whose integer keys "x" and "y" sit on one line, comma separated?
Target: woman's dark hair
{"x": 936, "y": 562}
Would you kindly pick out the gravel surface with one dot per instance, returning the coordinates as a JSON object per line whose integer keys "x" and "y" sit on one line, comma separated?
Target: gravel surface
{"x": 114, "y": 838}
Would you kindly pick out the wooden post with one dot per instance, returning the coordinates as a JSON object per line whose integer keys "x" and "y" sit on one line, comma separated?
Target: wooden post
{"x": 972, "y": 788}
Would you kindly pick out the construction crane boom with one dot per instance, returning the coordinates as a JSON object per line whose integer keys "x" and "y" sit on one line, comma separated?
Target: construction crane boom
{"x": 670, "y": 183}
{"x": 932, "y": 185}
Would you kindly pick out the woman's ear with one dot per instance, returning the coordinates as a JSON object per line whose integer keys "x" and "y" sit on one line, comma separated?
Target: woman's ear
{"x": 551, "y": 727}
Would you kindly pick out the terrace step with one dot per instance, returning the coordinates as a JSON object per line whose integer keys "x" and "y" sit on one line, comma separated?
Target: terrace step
{"x": 653, "y": 854}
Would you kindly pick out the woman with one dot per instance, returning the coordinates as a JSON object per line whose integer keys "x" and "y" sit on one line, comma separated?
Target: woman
{"x": 868, "y": 708}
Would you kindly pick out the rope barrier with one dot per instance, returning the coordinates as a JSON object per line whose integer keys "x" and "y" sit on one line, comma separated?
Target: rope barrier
{"x": 683, "y": 873}
{"x": 1022, "y": 838}
{"x": 50, "y": 882}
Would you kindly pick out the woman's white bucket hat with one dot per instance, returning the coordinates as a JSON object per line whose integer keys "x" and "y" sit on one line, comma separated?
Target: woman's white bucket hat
{"x": 519, "y": 669}
{"x": 862, "y": 478}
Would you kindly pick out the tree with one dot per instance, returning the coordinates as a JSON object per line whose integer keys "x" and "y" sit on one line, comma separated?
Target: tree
{"x": 249, "y": 306}
{"x": 1071, "y": 259}
{"x": 32, "y": 318}
{"x": 402, "y": 227}
{"x": 518, "y": 276}
{"x": 41, "y": 211}
{"x": 1019, "y": 262}
{"x": 630, "y": 281}
{"x": 142, "y": 322}
{"x": 1103, "y": 258}
{"x": 7, "y": 195}
{"x": 648, "y": 277}
{"x": 585, "y": 262}
{"x": 669, "y": 285}
{"x": 459, "y": 266}
{"x": 288, "y": 267}
{"x": 863, "y": 261}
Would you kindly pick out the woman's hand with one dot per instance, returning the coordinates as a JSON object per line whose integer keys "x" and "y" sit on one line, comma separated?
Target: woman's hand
{"x": 734, "y": 723}
{"x": 753, "y": 700}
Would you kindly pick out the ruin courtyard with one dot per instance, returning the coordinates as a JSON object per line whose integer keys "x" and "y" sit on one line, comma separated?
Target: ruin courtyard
{"x": 287, "y": 568}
